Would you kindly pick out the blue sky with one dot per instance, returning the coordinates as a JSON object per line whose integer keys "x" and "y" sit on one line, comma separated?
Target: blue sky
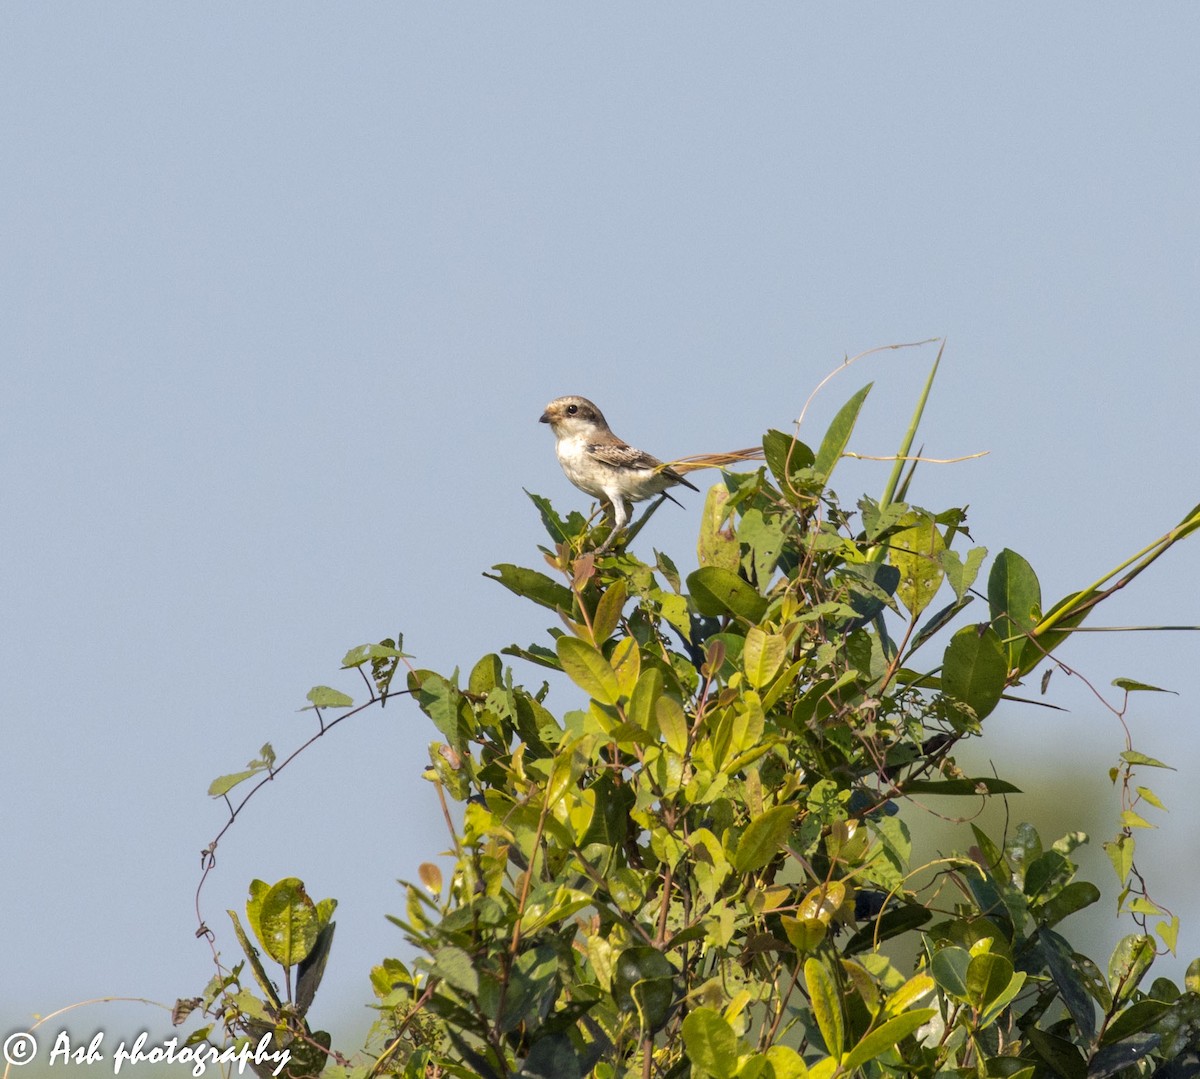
{"x": 286, "y": 287}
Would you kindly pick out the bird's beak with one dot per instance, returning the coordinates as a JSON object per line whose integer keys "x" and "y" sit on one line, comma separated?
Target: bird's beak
{"x": 544, "y": 418}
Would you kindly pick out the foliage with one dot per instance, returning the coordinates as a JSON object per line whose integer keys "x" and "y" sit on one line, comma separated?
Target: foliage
{"x": 702, "y": 870}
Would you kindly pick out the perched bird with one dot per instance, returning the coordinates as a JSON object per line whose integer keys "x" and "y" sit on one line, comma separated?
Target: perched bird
{"x": 603, "y": 466}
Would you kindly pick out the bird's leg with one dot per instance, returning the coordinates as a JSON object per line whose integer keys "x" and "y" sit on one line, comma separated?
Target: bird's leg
{"x": 610, "y": 517}
{"x": 621, "y": 508}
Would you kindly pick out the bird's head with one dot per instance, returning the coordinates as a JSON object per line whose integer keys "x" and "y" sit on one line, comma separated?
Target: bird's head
{"x": 573, "y": 415}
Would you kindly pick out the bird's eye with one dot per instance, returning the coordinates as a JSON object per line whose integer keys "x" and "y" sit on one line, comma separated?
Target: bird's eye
{"x": 572, "y": 409}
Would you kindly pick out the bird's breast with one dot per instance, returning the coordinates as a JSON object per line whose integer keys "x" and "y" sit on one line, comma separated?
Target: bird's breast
{"x": 580, "y": 468}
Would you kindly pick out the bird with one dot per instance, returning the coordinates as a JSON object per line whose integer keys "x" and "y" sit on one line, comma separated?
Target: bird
{"x": 602, "y": 465}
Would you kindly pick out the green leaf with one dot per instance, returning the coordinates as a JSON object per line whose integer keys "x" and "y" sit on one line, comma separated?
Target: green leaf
{"x": 644, "y": 699}
{"x": 894, "y": 922}
{"x": 871, "y": 586}
{"x": 764, "y": 536}
{"x": 486, "y": 675}
{"x": 588, "y": 669}
{"x": 1132, "y": 756}
{"x": 441, "y": 701}
{"x": 531, "y": 981}
{"x": 1075, "y": 896}
{"x": 1130, "y": 960}
{"x": 834, "y": 442}
{"x": 1072, "y": 979}
{"x": 224, "y": 784}
{"x": 1134, "y": 1019}
{"x": 533, "y": 585}
{"x": 711, "y": 1044}
{"x": 762, "y": 656}
{"x": 1015, "y": 599}
{"x": 610, "y": 821}
{"x": 535, "y": 654}
{"x": 961, "y": 575}
{"x": 988, "y": 975}
{"x": 312, "y": 967}
{"x": 960, "y": 787}
{"x": 974, "y": 669}
{"x": 360, "y": 654}
{"x": 997, "y": 863}
{"x": 883, "y": 1037}
{"x": 643, "y": 982}
{"x": 454, "y": 966}
{"x": 763, "y": 838}
{"x": 326, "y": 697}
{"x": 1122, "y": 1058}
{"x": 949, "y": 969}
{"x": 789, "y": 460}
{"x": 1049, "y": 639}
{"x": 559, "y": 531}
{"x": 1064, "y": 1059}
{"x": 552, "y": 1056}
{"x": 879, "y": 519}
{"x": 717, "y": 591}
{"x": 826, "y": 1006}
{"x": 1131, "y": 686}
{"x": 256, "y": 967}
{"x": 1120, "y": 853}
{"x": 286, "y": 921}
{"x": 1002, "y": 1000}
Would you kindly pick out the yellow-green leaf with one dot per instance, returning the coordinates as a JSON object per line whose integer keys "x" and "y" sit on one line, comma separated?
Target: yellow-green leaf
{"x": 1169, "y": 931}
{"x": 762, "y": 656}
{"x": 804, "y": 934}
{"x": 763, "y": 838}
{"x": 1148, "y": 795}
{"x": 711, "y": 1044}
{"x": 826, "y": 1005}
{"x": 608, "y": 611}
{"x": 786, "y": 1063}
{"x": 627, "y": 662}
{"x": 672, "y": 723}
{"x": 918, "y": 986}
{"x": 883, "y": 1037}
{"x": 916, "y": 553}
{"x": 588, "y": 669}
{"x": 1130, "y": 819}
{"x": 823, "y": 902}
{"x": 717, "y": 545}
{"x": 1120, "y": 853}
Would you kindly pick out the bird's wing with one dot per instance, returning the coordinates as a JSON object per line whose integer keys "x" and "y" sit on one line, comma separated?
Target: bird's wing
{"x": 622, "y": 455}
